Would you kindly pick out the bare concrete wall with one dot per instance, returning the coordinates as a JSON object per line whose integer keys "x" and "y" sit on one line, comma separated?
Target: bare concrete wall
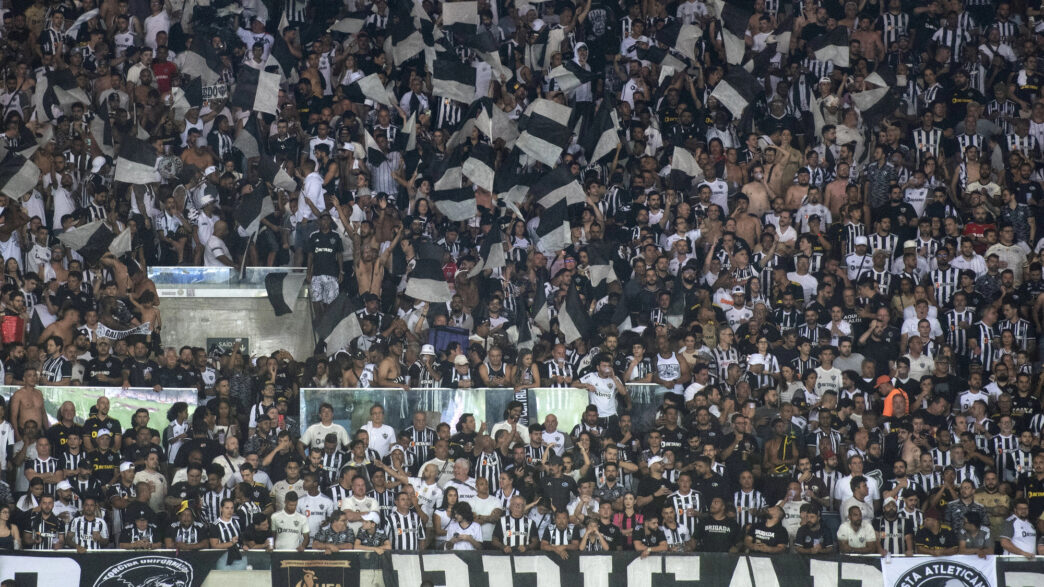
{"x": 190, "y": 321}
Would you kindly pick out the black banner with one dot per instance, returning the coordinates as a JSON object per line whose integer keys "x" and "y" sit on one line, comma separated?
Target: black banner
{"x": 114, "y": 568}
{"x": 313, "y": 568}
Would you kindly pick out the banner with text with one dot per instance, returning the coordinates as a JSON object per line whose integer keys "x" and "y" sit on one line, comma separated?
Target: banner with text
{"x": 952, "y": 571}
{"x": 109, "y": 568}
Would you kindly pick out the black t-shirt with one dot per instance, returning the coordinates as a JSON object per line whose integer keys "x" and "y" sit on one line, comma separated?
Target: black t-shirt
{"x": 183, "y": 491}
{"x": 1033, "y": 489}
{"x": 93, "y": 425}
{"x": 649, "y": 537}
{"x": 108, "y": 367}
{"x": 103, "y": 464}
{"x": 59, "y": 436}
{"x": 718, "y": 535}
{"x": 324, "y": 248}
{"x": 141, "y": 373}
{"x": 943, "y": 540}
{"x": 648, "y": 487}
{"x": 559, "y": 490}
{"x": 807, "y": 537}
{"x": 613, "y": 535}
{"x": 769, "y": 535}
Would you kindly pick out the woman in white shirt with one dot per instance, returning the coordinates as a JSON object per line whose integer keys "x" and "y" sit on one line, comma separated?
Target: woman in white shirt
{"x": 443, "y": 517}
{"x": 463, "y": 532}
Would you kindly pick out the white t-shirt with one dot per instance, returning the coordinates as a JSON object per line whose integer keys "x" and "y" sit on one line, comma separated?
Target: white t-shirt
{"x": 381, "y": 438}
{"x": 428, "y": 496}
{"x": 827, "y": 380}
{"x": 604, "y": 395}
{"x": 465, "y": 491}
{"x": 485, "y": 507}
{"x": 474, "y": 530}
{"x": 315, "y": 435}
{"x": 215, "y": 248}
{"x": 290, "y": 530}
{"x": 857, "y": 538}
{"x": 316, "y": 508}
{"x": 362, "y": 505}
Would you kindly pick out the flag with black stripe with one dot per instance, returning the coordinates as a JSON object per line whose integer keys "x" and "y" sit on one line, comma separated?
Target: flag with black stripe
{"x": 600, "y": 271}
{"x": 281, "y": 60}
{"x": 545, "y": 131}
{"x": 737, "y": 90}
{"x": 540, "y": 309}
{"x": 573, "y": 319}
{"x": 662, "y": 56}
{"x": 249, "y": 140}
{"x": 252, "y": 208}
{"x": 136, "y": 162}
{"x": 571, "y": 76}
{"x": 601, "y": 136}
{"x": 352, "y": 23}
{"x": 337, "y": 325}
{"x": 560, "y": 184}
{"x": 880, "y": 101}
{"x": 554, "y": 232}
{"x": 18, "y": 175}
{"x": 491, "y": 251}
{"x": 94, "y": 239}
{"x": 55, "y": 93}
{"x": 453, "y": 199}
{"x": 680, "y": 37}
{"x": 511, "y": 182}
{"x": 256, "y": 90}
{"x": 202, "y": 60}
{"x": 832, "y": 46}
{"x": 272, "y": 172}
{"x": 734, "y": 18}
{"x": 369, "y": 88}
{"x": 684, "y": 168}
{"x": 490, "y": 120}
{"x": 427, "y": 283}
{"x": 478, "y": 167}
{"x": 407, "y": 38}
{"x": 454, "y": 80}
{"x": 374, "y": 154}
{"x": 283, "y": 289}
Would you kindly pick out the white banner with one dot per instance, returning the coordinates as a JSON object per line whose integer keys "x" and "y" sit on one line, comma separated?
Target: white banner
{"x": 106, "y": 332}
{"x": 953, "y": 571}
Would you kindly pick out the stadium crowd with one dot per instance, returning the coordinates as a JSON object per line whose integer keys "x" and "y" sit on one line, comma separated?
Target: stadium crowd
{"x": 837, "y": 301}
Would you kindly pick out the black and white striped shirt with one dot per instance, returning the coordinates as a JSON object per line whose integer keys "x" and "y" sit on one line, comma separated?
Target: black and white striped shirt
{"x": 226, "y": 531}
{"x": 447, "y": 114}
{"x": 895, "y": 531}
{"x": 44, "y": 467}
{"x": 788, "y": 319}
{"x": 191, "y": 535}
{"x": 46, "y": 530}
{"x": 516, "y": 532}
{"x": 955, "y": 39}
{"x": 488, "y": 465}
{"x": 984, "y": 335}
{"x": 829, "y": 479}
{"x": 945, "y": 282}
{"x": 385, "y": 501}
{"x": 210, "y": 503}
{"x": 928, "y": 482}
{"x": 420, "y": 443}
{"x": 338, "y": 493}
{"x": 135, "y": 534}
{"x": 1021, "y": 329}
{"x": 682, "y": 503}
{"x": 893, "y": 26}
{"x": 53, "y": 367}
{"x": 1026, "y": 145}
{"x": 956, "y": 336}
{"x": 332, "y": 463}
{"x": 722, "y": 358}
{"x": 1001, "y": 446}
{"x": 406, "y": 531}
{"x": 83, "y": 530}
{"x": 802, "y": 366}
{"x": 556, "y": 536}
{"x": 748, "y": 506}
{"x": 564, "y": 369}
{"x": 1018, "y": 464}
{"x": 916, "y": 517}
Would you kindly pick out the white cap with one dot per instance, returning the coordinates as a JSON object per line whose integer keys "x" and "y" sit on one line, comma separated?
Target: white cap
{"x": 910, "y": 245}
{"x": 891, "y": 500}
{"x": 104, "y": 432}
{"x": 860, "y": 240}
{"x": 126, "y": 466}
{"x": 206, "y": 201}
{"x": 460, "y": 360}
{"x": 97, "y": 163}
{"x": 655, "y": 460}
{"x": 64, "y": 484}
{"x": 397, "y": 447}
{"x": 428, "y": 350}
{"x": 371, "y": 517}
{"x": 209, "y": 170}
{"x": 537, "y": 24}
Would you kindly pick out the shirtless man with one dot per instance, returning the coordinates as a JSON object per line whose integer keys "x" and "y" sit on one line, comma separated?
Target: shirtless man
{"x": 748, "y": 227}
{"x": 757, "y": 191}
{"x": 797, "y": 192}
{"x": 64, "y": 328}
{"x": 28, "y": 404}
{"x": 369, "y": 267}
{"x": 389, "y": 371}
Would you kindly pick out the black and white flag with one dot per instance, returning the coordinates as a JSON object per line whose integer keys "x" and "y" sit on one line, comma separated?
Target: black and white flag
{"x": 283, "y": 289}
{"x": 454, "y": 80}
{"x": 684, "y": 168}
{"x": 560, "y": 184}
{"x": 256, "y": 90}
{"x": 94, "y": 239}
{"x": 18, "y": 175}
{"x": 680, "y": 37}
{"x": 737, "y": 90}
{"x": 136, "y": 162}
{"x": 351, "y": 24}
{"x": 601, "y": 136}
{"x": 369, "y": 88}
{"x": 252, "y": 208}
{"x": 554, "y": 232}
{"x": 545, "y": 131}
{"x": 478, "y": 167}
{"x": 427, "y": 283}
{"x": 573, "y": 318}
{"x": 571, "y": 76}
{"x": 337, "y": 325}
{"x": 832, "y": 46}
{"x": 491, "y": 252}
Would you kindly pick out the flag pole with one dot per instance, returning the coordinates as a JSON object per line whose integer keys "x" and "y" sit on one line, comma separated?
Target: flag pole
{"x": 246, "y": 253}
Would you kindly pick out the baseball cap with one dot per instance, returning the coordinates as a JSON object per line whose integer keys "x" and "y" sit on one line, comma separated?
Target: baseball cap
{"x": 460, "y": 360}
{"x": 891, "y": 500}
{"x": 910, "y": 244}
{"x": 126, "y": 466}
{"x": 738, "y": 290}
{"x": 371, "y": 517}
{"x": 881, "y": 381}
{"x": 655, "y": 460}
{"x": 104, "y": 432}
{"x": 860, "y": 240}
{"x": 64, "y": 484}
